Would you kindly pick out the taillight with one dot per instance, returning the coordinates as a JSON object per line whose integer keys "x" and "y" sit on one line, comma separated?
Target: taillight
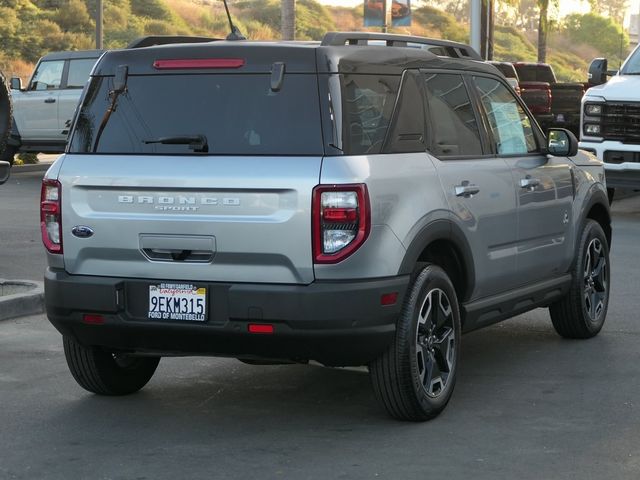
{"x": 51, "y": 215}
{"x": 341, "y": 221}
{"x": 198, "y": 63}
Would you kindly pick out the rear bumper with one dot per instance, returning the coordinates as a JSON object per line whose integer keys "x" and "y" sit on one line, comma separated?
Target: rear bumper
{"x": 334, "y": 323}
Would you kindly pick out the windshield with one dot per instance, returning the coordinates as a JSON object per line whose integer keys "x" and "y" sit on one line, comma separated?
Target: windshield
{"x": 236, "y": 114}
{"x": 632, "y": 65}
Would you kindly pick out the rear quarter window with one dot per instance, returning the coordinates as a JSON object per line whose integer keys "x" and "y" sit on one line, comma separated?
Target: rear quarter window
{"x": 367, "y": 105}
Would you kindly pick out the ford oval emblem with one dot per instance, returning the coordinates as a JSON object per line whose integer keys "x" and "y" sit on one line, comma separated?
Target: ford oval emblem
{"x": 82, "y": 231}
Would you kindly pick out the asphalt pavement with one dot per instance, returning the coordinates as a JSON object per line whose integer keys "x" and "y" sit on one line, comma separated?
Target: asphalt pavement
{"x": 527, "y": 405}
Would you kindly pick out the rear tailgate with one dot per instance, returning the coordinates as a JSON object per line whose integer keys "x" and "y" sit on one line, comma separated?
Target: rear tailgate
{"x": 537, "y": 96}
{"x": 228, "y": 219}
{"x": 567, "y": 97}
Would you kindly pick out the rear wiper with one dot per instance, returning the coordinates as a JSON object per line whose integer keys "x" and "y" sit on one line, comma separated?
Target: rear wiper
{"x": 119, "y": 87}
{"x": 197, "y": 143}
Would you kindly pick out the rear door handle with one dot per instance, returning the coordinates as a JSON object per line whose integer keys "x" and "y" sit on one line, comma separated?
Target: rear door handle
{"x": 529, "y": 183}
{"x": 466, "y": 189}
{"x": 50, "y": 100}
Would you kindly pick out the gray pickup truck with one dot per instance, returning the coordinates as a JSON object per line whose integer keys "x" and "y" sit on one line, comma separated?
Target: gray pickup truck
{"x": 356, "y": 201}
{"x": 43, "y": 110}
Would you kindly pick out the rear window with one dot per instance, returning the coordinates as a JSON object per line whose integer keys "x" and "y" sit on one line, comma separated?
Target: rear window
{"x": 506, "y": 69}
{"x": 236, "y": 114}
{"x": 535, "y": 73}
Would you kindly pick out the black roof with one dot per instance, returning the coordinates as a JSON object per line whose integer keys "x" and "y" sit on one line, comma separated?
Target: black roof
{"x": 73, "y": 54}
{"x": 381, "y": 54}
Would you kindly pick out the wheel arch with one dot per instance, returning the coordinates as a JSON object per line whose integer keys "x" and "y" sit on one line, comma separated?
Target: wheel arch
{"x": 443, "y": 243}
{"x": 597, "y": 208}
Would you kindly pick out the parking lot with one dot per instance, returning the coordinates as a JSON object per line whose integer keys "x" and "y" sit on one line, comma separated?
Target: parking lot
{"x": 527, "y": 405}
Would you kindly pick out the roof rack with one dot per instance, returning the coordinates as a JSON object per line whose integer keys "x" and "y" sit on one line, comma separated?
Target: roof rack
{"x": 152, "y": 40}
{"x": 444, "y": 48}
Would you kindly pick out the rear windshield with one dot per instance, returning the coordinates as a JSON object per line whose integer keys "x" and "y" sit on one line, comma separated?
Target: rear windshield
{"x": 507, "y": 70}
{"x": 535, "y": 73}
{"x": 234, "y": 114}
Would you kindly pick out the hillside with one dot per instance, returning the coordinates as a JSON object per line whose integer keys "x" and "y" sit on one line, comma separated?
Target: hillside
{"x": 31, "y": 28}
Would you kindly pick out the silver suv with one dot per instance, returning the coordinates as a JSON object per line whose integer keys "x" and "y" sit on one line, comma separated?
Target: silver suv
{"x": 339, "y": 202}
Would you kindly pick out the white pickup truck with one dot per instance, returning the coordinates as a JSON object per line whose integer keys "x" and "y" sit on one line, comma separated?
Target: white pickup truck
{"x": 43, "y": 110}
{"x": 610, "y": 121}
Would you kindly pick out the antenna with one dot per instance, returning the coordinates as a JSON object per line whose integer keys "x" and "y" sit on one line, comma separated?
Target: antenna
{"x": 235, "y": 33}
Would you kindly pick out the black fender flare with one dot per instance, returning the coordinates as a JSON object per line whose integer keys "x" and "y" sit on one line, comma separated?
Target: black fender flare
{"x": 596, "y": 196}
{"x": 441, "y": 229}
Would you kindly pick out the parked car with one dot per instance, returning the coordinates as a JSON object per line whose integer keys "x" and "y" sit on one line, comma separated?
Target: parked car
{"x": 343, "y": 202}
{"x": 554, "y": 104}
{"x": 610, "y": 128}
{"x": 43, "y": 110}
{"x": 5, "y": 113}
{"x": 509, "y": 73}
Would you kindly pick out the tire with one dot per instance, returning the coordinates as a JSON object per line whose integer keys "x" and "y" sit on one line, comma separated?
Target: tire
{"x": 6, "y": 114}
{"x": 414, "y": 379}
{"x": 105, "y": 373}
{"x": 582, "y": 312}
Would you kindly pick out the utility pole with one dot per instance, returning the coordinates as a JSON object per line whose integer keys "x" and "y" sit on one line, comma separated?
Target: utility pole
{"x": 476, "y": 25}
{"x": 288, "y": 19}
{"x": 99, "y": 9}
{"x": 387, "y": 16}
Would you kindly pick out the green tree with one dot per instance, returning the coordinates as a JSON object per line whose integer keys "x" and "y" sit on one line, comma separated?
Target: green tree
{"x": 611, "y": 8}
{"x": 435, "y": 19}
{"x": 73, "y": 16}
{"x": 602, "y": 33}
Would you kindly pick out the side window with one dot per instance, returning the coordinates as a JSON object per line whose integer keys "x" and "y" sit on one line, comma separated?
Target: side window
{"x": 510, "y": 126}
{"x": 406, "y": 133}
{"x": 48, "y": 76}
{"x": 79, "y": 71}
{"x": 453, "y": 126}
{"x": 367, "y": 105}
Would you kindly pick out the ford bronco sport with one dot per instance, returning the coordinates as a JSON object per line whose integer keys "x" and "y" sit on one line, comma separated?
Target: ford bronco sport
{"x": 340, "y": 202}
{"x": 42, "y": 112}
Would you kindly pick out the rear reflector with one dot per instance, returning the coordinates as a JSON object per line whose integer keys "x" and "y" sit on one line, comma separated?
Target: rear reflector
{"x": 93, "y": 319}
{"x": 389, "y": 298}
{"x": 261, "y": 328}
{"x": 181, "y": 64}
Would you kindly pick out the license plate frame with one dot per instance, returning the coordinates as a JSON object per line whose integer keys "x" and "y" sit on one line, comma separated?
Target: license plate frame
{"x": 175, "y": 301}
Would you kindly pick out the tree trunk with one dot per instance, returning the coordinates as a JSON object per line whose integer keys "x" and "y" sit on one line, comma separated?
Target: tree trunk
{"x": 288, "y": 19}
{"x": 543, "y": 30}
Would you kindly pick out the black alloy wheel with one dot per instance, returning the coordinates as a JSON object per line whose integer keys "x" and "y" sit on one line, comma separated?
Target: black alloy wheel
{"x": 435, "y": 342}
{"x": 596, "y": 279}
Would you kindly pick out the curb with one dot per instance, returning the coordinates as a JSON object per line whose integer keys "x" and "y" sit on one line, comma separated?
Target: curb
{"x": 37, "y": 167}
{"x": 29, "y": 302}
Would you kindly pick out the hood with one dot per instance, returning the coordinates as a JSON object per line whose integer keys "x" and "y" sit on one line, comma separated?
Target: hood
{"x": 618, "y": 88}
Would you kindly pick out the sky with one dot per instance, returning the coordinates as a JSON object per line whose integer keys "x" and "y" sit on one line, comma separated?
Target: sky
{"x": 566, "y": 6}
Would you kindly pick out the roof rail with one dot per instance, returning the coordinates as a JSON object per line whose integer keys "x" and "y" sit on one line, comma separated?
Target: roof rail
{"x": 152, "y": 40}
{"x": 443, "y": 48}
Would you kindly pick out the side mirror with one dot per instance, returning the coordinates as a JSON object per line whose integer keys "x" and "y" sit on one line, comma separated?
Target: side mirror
{"x": 598, "y": 72}
{"x": 15, "y": 83}
{"x": 5, "y": 169}
{"x": 561, "y": 143}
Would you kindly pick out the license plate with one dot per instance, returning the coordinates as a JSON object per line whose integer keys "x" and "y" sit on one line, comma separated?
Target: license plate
{"x": 177, "y": 301}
